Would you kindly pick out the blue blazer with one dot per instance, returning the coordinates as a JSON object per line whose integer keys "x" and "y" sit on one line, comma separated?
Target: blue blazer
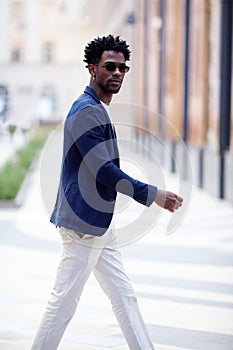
{"x": 90, "y": 174}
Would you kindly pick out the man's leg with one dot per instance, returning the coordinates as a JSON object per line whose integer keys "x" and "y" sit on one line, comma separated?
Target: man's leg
{"x": 109, "y": 272}
{"x": 77, "y": 262}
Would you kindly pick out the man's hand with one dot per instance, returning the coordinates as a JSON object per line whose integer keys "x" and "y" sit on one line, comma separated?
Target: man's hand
{"x": 168, "y": 200}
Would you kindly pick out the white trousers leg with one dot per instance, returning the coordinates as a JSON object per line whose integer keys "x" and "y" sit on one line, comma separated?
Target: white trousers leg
{"x": 77, "y": 262}
{"x": 79, "y": 258}
{"x": 110, "y": 273}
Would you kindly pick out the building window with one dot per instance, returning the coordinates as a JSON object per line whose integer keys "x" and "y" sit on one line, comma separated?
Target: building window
{"x": 47, "y": 105}
{"x": 17, "y": 14}
{"x": 62, "y": 5}
{"x": 4, "y": 102}
{"x": 48, "y": 53}
{"x": 16, "y": 55}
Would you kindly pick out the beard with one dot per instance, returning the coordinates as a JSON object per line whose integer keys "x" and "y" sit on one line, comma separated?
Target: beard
{"x": 112, "y": 86}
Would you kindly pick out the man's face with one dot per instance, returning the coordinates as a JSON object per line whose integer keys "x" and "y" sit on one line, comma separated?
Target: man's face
{"x": 110, "y": 81}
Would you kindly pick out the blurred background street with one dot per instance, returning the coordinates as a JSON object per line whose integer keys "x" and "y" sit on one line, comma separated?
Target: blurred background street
{"x": 174, "y": 119}
{"x": 184, "y": 281}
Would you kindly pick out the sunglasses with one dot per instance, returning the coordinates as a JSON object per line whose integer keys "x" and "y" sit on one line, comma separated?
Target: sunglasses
{"x": 111, "y": 67}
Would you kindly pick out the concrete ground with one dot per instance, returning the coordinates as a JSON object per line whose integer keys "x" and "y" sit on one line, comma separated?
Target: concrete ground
{"x": 184, "y": 281}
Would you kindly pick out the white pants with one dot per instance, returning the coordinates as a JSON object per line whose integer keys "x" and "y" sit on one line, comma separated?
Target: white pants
{"x": 83, "y": 254}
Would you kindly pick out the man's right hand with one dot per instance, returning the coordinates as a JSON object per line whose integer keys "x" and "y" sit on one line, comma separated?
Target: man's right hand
{"x": 168, "y": 200}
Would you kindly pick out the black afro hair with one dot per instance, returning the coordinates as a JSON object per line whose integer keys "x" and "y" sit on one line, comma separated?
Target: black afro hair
{"x": 94, "y": 49}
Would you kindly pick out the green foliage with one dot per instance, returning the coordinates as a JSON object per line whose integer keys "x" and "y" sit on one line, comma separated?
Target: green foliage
{"x": 14, "y": 171}
{"x": 12, "y": 128}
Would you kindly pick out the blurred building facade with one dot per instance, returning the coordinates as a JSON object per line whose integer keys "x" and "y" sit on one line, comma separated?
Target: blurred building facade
{"x": 181, "y": 71}
{"x": 186, "y": 75}
{"x": 41, "y": 50}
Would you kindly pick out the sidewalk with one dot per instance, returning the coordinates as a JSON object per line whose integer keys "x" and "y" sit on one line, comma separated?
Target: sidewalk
{"x": 184, "y": 281}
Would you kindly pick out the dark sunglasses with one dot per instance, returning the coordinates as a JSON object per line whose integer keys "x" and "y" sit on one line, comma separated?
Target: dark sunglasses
{"x": 111, "y": 67}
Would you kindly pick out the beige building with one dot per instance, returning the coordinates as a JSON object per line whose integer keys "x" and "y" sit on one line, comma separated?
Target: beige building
{"x": 41, "y": 52}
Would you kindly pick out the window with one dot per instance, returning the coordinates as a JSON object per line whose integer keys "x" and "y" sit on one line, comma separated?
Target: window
{"x": 48, "y": 53}
{"x": 4, "y": 102}
{"x": 47, "y": 104}
{"x": 17, "y": 14}
{"x": 16, "y": 55}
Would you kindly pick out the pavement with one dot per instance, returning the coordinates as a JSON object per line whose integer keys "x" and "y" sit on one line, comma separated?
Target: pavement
{"x": 183, "y": 281}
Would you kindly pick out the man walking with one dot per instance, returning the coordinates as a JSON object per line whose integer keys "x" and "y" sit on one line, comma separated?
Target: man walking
{"x": 89, "y": 182}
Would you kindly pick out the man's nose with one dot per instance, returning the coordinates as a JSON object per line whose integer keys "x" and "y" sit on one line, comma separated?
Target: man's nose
{"x": 117, "y": 71}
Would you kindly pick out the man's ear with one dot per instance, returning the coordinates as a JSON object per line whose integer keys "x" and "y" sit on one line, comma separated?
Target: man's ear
{"x": 91, "y": 69}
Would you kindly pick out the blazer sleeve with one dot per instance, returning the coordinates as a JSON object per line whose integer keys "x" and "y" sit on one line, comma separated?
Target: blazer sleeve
{"x": 88, "y": 129}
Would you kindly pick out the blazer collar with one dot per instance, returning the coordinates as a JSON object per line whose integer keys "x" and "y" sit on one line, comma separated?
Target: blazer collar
{"x": 91, "y": 92}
